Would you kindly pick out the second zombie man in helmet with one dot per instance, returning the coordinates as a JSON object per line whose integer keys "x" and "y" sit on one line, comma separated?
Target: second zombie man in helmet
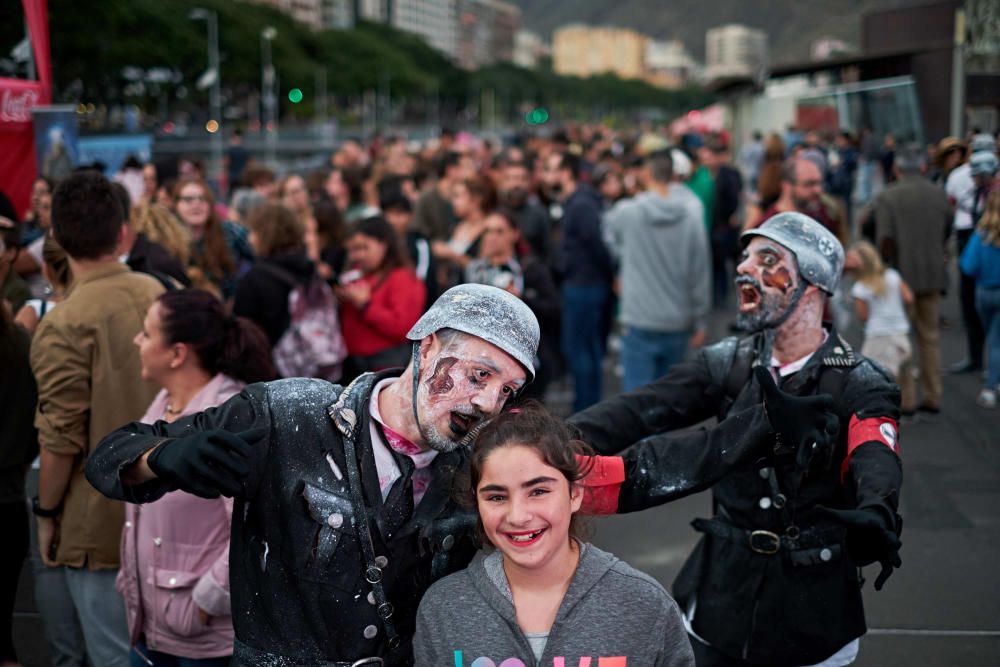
{"x": 774, "y": 579}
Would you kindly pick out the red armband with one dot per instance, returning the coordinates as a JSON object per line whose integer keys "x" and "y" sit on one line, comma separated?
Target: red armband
{"x": 602, "y": 484}
{"x": 872, "y": 429}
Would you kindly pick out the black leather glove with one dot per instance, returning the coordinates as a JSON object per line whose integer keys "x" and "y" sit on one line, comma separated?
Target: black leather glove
{"x": 806, "y": 425}
{"x": 868, "y": 539}
{"x": 207, "y": 463}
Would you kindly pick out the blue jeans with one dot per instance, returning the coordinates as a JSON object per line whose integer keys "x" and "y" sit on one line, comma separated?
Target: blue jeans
{"x": 648, "y": 355}
{"x": 988, "y": 305}
{"x": 59, "y": 620}
{"x": 101, "y": 611}
{"x": 583, "y": 340}
{"x": 166, "y": 660}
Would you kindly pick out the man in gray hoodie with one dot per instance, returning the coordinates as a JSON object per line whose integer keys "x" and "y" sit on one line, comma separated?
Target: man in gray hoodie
{"x": 662, "y": 249}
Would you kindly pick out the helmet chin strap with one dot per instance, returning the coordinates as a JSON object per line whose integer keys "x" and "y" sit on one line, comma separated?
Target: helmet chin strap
{"x": 415, "y": 366}
{"x": 792, "y": 307}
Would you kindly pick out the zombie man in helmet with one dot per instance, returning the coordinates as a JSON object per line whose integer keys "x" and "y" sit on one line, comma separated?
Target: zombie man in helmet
{"x": 775, "y": 578}
{"x": 343, "y": 515}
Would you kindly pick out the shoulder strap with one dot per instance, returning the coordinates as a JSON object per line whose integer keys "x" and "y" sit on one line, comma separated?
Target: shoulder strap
{"x": 169, "y": 283}
{"x": 345, "y": 419}
{"x": 739, "y": 369}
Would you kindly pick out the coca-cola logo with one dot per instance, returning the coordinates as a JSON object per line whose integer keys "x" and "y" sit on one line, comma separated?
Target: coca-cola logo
{"x": 16, "y": 107}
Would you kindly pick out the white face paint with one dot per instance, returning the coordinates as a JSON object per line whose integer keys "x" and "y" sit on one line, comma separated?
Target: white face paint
{"x": 463, "y": 383}
{"x": 767, "y": 285}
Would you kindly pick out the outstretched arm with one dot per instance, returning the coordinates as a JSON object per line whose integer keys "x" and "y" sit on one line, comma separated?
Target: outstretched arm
{"x": 669, "y": 466}
{"x": 683, "y": 397}
{"x": 203, "y": 454}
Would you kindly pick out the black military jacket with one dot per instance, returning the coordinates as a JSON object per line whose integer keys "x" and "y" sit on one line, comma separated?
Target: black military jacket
{"x": 299, "y": 594}
{"x": 762, "y": 596}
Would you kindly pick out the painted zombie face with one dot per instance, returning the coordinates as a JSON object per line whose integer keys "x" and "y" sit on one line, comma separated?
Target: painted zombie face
{"x": 462, "y": 383}
{"x": 768, "y": 285}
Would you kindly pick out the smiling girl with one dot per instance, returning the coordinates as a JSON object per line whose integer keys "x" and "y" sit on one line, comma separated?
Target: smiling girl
{"x": 542, "y": 597}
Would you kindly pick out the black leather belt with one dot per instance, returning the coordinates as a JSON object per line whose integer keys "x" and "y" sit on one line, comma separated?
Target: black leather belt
{"x": 809, "y": 547}
{"x": 247, "y": 655}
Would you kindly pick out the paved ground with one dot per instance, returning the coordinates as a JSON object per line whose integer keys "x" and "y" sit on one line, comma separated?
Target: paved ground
{"x": 942, "y": 609}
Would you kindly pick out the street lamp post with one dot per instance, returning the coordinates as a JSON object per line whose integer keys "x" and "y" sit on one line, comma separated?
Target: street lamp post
{"x": 215, "y": 94}
{"x": 267, "y": 93}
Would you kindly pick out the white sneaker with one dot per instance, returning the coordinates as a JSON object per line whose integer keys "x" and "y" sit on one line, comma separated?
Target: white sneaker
{"x": 987, "y": 399}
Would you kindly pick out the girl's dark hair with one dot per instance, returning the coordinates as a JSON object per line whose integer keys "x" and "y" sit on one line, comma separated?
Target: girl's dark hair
{"x": 278, "y": 230}
{"x": 481, "y": 188}
{"x": 329, "y": 223}
{"x": 522, "y": 248}
{"x": 380, "y": 230}
{"x": 214, "y": 257}
{"x": 354, "y": 180}
{"x": 531, "y": 425}
{"x": 223, "y": 344}
{"x": 48, "y": 182}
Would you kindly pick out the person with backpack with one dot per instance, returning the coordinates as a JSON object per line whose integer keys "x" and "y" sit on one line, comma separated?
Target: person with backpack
{"x": 380, "y": 297}
{"x": 284, "y": 295}
{"x": 774, "y": 579}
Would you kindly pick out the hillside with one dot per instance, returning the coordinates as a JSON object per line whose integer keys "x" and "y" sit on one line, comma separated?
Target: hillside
{"x": 792, "y": 25}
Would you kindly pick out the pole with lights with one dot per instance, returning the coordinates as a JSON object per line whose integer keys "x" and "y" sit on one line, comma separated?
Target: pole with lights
{"x": 267, "y": 93}
{"x": 214, "y": 125}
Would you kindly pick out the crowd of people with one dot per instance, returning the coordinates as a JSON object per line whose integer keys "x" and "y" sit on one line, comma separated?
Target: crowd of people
{"x": 156, "y": 297}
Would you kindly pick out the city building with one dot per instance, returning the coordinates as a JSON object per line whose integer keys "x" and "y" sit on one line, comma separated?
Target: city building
{"x": 669, "y": 65}
{"x": 306, "y": 12}
{"x": 734, "y": 51}
{"x": 434, "y": 20}
{"x": 337, "y": 14}
{"x": 376, "y": 11}
{"x": 580, "y": 50}
{"x": 529, "y": 48}
{"x": 486, "y": 30}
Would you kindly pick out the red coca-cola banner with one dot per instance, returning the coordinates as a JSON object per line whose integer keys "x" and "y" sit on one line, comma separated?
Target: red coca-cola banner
{"x": 17, "y": 98}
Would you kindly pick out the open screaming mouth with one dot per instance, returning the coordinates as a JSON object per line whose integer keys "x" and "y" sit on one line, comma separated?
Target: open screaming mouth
{"x": 461, "y": 424}
{"x": 749, "y": 297}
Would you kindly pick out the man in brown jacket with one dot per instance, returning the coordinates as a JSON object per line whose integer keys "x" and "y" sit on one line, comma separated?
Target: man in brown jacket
{"x": 89, "y": 384}
{"x": 912, "y": 221}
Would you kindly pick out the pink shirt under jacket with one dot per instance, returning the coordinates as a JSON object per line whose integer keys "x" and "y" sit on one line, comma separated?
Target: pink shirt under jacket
{"x": 180, "y": 547}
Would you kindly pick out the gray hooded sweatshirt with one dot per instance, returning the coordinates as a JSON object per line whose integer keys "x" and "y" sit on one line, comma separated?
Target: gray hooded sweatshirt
{"x": 662, "y": 249}
{"x": 612, "y": 614}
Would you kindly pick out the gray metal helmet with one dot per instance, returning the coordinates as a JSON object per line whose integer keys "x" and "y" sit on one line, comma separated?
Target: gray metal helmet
{"x": 486, "y": 312}
{"x": 819, "y": 254}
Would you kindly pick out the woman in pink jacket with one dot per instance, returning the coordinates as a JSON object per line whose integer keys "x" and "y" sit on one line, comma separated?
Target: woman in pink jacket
{"x": 175, "y": 552}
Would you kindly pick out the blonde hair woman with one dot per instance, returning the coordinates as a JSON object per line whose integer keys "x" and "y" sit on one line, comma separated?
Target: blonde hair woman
{"x": 880, "y": 299}
{"x": 162, "y": 227}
